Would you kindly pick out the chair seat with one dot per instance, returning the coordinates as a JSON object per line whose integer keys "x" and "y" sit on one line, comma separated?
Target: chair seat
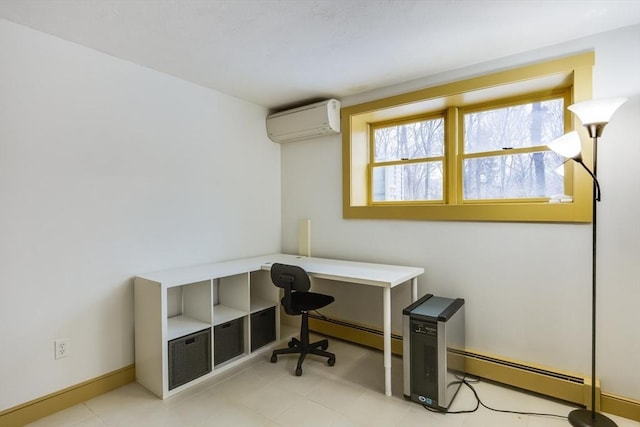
{"x": 305, "y": 301}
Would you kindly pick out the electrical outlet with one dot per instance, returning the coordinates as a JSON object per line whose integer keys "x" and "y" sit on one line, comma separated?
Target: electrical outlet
{"x": 62, "y": 348}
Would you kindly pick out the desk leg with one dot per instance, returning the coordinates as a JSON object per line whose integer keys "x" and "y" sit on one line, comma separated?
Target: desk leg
{"x": 386, "y": 313}
{"x": 414, "y": 289}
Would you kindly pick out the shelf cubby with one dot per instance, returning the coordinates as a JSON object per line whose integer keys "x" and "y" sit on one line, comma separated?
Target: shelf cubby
{"x": 175, "y": 308}
{"x": 188, "y": 308}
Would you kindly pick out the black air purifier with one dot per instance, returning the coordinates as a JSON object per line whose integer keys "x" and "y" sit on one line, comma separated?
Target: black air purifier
{"x": 433, "y": 329}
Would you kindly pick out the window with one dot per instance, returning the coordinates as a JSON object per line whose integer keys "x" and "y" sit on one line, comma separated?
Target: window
{"x": 408, "y": 160}
{"x": 504, "y": 155}
{"x": 470, "y": 150}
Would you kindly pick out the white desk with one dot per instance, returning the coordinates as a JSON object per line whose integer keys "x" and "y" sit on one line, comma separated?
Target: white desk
{"x": 381, "y": 275}
{"x": 246, "y": 287}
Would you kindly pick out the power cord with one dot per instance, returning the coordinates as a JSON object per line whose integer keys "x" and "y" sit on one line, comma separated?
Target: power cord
{"x": 480, "y": 402}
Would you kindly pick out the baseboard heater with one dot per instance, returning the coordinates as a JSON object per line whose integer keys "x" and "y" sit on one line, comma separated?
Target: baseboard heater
{"x": 521, "y": 366}
{"x": 353, "y": 326}
{"x": 352, "y": 332}
{"x": 559, "y": 385}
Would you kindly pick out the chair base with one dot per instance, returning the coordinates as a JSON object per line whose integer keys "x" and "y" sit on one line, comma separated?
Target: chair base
{"x": 296, "y": 346}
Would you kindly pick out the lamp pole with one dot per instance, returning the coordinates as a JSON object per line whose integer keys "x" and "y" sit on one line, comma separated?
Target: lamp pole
{"x": 584, "y": 417}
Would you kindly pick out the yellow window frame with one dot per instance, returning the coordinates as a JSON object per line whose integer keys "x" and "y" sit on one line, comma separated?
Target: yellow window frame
{"x": 572, "y": 74}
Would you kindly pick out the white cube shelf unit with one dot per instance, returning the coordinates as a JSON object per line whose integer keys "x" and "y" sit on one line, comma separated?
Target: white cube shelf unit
{"x": 175, "y": 303}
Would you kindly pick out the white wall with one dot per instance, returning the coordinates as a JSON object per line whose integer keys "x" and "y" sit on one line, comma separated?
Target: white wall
{"x": 109, "y": 169}
{"x": 527, "y": 286}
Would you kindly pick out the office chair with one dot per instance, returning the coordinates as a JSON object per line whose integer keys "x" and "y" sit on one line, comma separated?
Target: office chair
{"x": 298, "y": 301}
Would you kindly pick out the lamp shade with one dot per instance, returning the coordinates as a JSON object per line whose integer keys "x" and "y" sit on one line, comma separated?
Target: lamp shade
{"x": 568, "y": 145}
{"x": 596, "y": 110}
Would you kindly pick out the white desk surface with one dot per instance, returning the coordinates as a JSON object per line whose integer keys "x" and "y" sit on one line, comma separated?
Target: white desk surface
{"x": 383, "y": 275}
{"x": 373, "y": 274}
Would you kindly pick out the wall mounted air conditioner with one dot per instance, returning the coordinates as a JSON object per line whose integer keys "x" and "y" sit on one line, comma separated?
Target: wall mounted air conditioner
{"x": 310, "y": 121}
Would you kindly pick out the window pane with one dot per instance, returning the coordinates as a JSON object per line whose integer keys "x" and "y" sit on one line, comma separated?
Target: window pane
{"x": 417, "y": 140}
{"x": 514, "y": 176}
{"x": 417, "y": 181}
{"x": 527, "y": 125}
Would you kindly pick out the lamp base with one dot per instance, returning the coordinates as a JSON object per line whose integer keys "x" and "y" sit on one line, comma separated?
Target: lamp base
{"x": 585, "y": 418}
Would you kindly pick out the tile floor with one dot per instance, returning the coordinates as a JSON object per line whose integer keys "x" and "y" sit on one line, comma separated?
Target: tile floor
{"x": 348, "y": 394}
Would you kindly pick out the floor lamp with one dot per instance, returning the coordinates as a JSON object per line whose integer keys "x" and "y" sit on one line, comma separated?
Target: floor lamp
{"x": 594, "y": 115}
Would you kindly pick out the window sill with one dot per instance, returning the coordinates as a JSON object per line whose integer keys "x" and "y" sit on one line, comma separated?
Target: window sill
{"x": 516, "y": 212}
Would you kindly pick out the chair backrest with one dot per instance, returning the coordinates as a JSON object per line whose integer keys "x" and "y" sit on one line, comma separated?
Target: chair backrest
{"x": 290, "y": 278}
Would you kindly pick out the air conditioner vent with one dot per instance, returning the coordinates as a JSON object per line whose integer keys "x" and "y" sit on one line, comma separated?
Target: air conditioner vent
{"x": 310, "y": 121}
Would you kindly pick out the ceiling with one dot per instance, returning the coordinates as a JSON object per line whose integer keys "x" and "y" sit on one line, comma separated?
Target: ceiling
{"x": 281, "y": 53}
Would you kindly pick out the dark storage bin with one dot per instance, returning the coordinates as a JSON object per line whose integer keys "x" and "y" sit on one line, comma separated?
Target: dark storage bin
{"x": 227, "y": 341}
{"x": 189, "y": 357}
{"x": 263, "y": 328}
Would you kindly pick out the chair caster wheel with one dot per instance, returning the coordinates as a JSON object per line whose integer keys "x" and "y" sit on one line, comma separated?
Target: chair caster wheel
{"x": 291, "y": 344}
{"x": 325, "y": 346}
{"x": 298, "y": 372}
{"x": 274, "y": 358}
{"x": 331, "y": 361}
